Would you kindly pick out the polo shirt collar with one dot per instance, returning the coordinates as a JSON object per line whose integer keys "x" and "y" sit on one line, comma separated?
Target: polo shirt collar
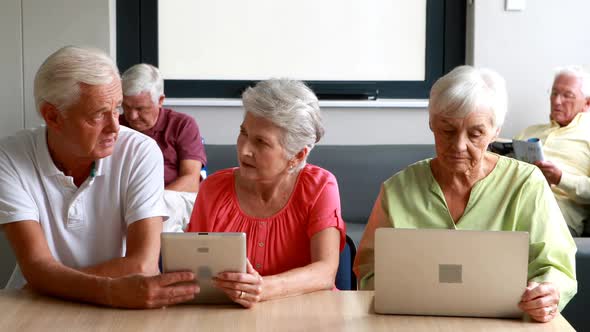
{"x": 46, "y": 164}
{"x": 160, "y": 123}
{"x": 576, "y": 121}
{"x": 100, "y": 166}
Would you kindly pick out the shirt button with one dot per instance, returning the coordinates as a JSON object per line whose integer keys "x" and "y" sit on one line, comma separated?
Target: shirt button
{"x": 258, "y": 265}
{"x": 261, "y": 244}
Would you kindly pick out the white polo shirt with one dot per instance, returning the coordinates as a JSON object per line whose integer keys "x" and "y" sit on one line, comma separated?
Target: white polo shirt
{"x": 87, "y": 225}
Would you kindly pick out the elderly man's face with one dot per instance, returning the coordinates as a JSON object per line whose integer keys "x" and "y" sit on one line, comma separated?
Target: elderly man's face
{"x": 90, "y": 127}
{"x": 567, "y": 99}
{"x": 462, "y": 142}
{"x": 140, "y": 111}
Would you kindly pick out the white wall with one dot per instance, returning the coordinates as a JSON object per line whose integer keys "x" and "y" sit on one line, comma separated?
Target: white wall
{"x": 49, "y": 25}
{"x": 526, "y": 46}
{"x": 361, "y": 126}
{"x": 11, "y": 80}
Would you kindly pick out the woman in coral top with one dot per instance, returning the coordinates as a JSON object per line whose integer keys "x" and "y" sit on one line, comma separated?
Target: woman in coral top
{"x": 289, "y": 210}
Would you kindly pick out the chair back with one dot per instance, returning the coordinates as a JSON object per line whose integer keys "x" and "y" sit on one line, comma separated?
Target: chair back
{"x": 345, "y": 278}
{"x": 203, "y": 167}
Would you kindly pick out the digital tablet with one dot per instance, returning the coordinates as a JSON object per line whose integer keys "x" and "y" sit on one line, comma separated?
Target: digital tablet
{"x": 206, "y": 255}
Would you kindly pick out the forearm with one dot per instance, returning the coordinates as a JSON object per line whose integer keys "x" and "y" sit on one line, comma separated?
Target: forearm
{"x": 49, "y": 277}
{"x": 123, "y": 266}
{"x": 142, "y": 252}
{"x": 552, "y": 250}
{"x": 310, "y": 278}
{"x": 577, "y": 187}
{"x": 186, "y": 183}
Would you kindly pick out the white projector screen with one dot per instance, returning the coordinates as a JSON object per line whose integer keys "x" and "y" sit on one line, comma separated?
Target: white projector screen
{"x": 352, "y": 40}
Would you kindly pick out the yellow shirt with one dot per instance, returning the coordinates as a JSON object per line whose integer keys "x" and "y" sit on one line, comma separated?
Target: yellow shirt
{"x": 569, "y": 149}
{"x": 513, "y": 197}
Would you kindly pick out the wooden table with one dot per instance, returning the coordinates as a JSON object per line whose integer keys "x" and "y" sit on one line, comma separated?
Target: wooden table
{"x": 321, "y": 311}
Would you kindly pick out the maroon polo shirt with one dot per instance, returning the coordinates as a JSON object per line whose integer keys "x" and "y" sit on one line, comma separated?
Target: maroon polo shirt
{"x": 178, "y": 136}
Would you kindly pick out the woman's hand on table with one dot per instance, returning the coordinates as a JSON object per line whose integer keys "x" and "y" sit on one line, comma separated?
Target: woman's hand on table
{"x": 243, "y": 288}
{"x": 540, "y": 301}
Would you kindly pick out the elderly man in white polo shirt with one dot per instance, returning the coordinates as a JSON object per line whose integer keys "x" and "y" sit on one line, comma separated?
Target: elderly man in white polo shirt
{"x": 81, "y": 198}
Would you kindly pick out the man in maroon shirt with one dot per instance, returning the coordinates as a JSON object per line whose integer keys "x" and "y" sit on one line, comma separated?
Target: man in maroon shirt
{"x": 177, "y": 135}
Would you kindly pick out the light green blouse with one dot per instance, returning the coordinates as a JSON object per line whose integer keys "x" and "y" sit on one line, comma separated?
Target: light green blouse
{"x": 513, "y": 197}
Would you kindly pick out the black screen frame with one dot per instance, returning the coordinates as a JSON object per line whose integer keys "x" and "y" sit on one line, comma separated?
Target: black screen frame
{"x": 137, "y": 42}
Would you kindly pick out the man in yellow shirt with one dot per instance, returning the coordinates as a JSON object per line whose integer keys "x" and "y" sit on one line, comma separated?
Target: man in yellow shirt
{"x": 566, "y": 145}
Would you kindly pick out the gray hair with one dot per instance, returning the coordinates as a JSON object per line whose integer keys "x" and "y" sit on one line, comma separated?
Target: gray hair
{"x": 466, "y": 89}
{"x": 293, "y": 107}
{"x": 143, "y": 78}
{"x": 58, "y": 79}
{"x": 577, "y": 72}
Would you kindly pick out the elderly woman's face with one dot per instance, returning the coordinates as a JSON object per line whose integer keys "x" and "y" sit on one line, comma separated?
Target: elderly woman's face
{"x": 461, "y": 142}
{"x": 261, "y": 155}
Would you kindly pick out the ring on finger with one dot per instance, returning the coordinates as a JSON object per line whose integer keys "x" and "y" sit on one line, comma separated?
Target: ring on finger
{"x": 241, "y": 294}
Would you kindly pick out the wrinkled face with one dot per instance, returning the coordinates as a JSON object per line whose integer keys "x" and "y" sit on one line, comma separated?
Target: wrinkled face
{"x": 461, "y": 142}
{"x": 261, "y": 155}
{"x": 567, "y": 99}
{"x": 140, "y": 111}
{"x": 89, "y": 128}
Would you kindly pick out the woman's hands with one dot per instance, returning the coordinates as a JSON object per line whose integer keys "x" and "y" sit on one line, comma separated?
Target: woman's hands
{"x": 540, "y": 301}
{"x": 243, "y": 288}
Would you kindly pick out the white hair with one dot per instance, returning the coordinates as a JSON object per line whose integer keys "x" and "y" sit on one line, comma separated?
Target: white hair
{"x": 291, "y": 106}
{"x": 467, "y": 89}
{"x": 577, "y": 72}
{"x": 57, "y": 81}
{"x": 143, "y": 78}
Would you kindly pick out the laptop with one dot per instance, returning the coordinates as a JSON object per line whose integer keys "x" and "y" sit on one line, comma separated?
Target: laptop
{"x": 206, "y": 255}
{"x": 444, "y": 272}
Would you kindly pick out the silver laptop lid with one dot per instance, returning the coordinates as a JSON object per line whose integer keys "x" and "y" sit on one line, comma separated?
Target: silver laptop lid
{"x": 450, "y": 272}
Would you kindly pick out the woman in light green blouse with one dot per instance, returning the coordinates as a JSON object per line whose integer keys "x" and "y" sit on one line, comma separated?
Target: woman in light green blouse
{"x": 467, "y": 187}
